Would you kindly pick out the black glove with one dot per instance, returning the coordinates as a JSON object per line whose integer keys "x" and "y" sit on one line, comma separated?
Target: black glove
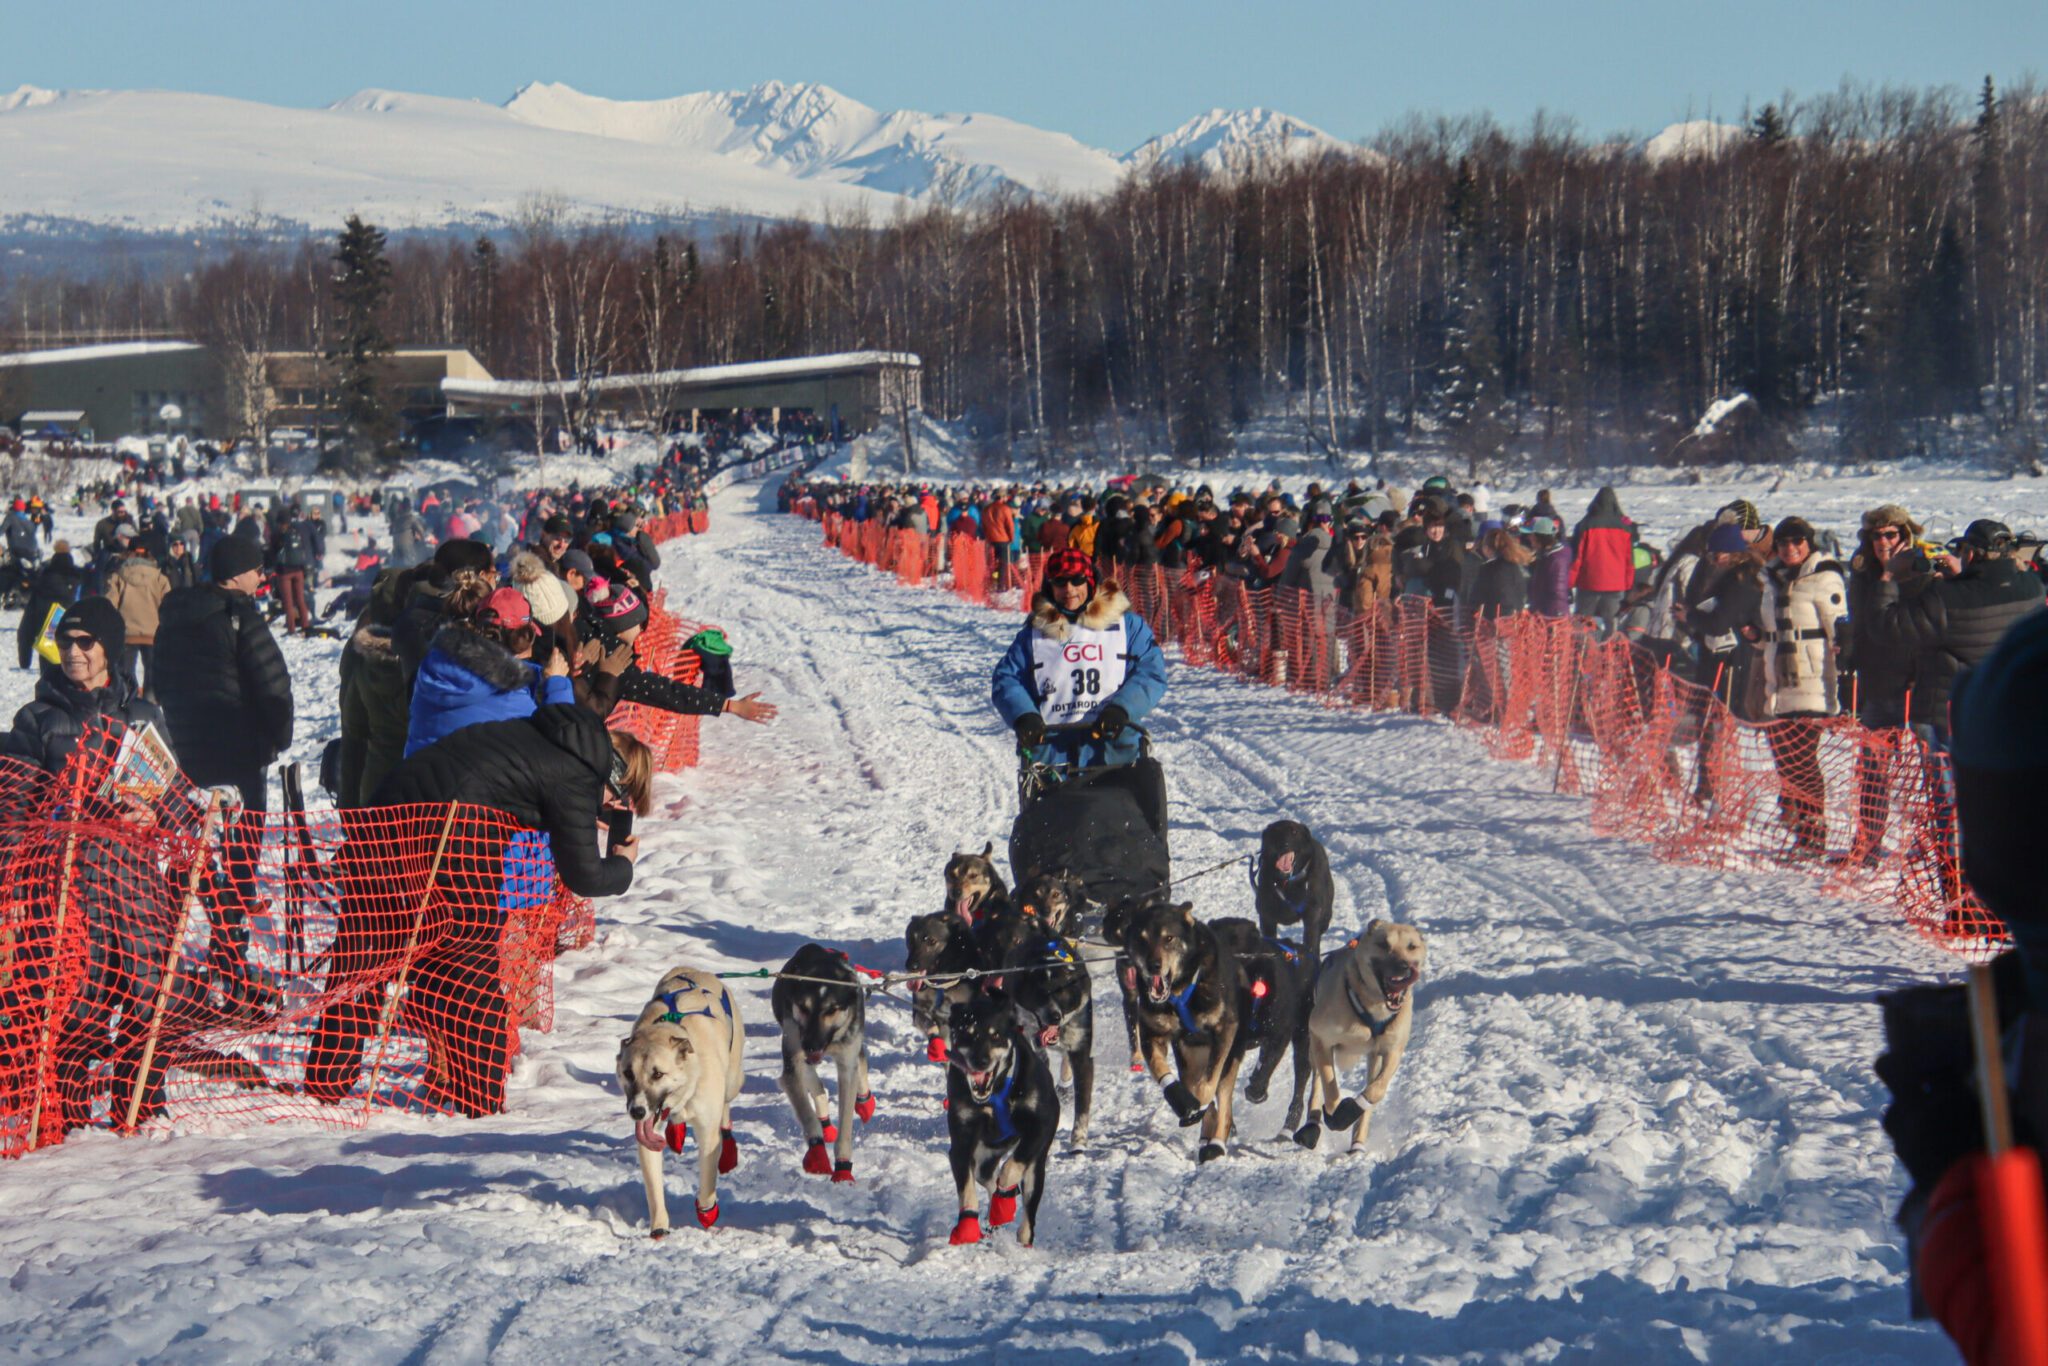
{"x": 1110, "y": 723}
{"x": 1030, "y": 730}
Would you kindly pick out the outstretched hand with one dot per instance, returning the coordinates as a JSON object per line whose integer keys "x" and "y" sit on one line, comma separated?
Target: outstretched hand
{"x": 751, "y": 708}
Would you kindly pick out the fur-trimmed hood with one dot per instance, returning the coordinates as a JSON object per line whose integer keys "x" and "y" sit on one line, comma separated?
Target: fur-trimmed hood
{"x": 373, "y": 643}
{"x": 485, "y": 659}
{"x": 1105, "y": 608}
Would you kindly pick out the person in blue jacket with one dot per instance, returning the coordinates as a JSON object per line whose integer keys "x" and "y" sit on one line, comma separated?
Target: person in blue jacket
{"x": 1084, "y": 659}
{"x": 480, "y": 670}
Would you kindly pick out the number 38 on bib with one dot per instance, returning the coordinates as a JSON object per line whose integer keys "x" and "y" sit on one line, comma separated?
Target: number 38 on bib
{"x": 1075, "y": 676}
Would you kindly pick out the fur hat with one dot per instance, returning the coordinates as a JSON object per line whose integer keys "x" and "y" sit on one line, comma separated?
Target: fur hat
{"x": 1890, "y": 514}
{"x": 545, "y": 593}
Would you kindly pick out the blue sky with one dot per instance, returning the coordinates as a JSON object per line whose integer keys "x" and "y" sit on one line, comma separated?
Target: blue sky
{"x": 1111, "y": 72}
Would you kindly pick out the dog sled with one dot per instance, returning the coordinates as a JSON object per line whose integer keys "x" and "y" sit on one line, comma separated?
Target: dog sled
{"x": 1104, "y": 824}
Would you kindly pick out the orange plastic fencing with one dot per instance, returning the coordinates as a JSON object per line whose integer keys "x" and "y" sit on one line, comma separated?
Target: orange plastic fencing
{"x": 162, "y": 956}
{"x": 158, "y": 956}
{"x": 1666, "y": 760}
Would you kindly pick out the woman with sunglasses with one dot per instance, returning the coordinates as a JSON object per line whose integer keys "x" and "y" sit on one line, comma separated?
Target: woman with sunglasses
{"x": 83, "y": 705}
{"x": 1084, "y": 660}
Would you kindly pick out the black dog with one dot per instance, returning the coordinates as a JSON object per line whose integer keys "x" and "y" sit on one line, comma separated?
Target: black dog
{"x": 825, "y": 1014}
{"x": 1280, "y": 982}
{"x": 1002, "y": 1113}
{"x": 935, "y": 946}
{"x": 1292, "y": 884}
{"x": 1115, "y": 920}
{"x": 1043, "y": 975}
{"x": 1191, "y": 995}
{"x": 1055, "y": 898}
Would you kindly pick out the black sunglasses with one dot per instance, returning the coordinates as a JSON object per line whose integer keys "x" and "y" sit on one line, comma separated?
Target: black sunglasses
{"x": 1068, "y": 581}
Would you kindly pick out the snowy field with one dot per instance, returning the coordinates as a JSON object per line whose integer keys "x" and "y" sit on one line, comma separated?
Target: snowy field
{"x": 1637, "y": 1121}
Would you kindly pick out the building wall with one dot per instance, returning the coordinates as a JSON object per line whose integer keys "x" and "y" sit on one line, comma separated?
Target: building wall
{"x": 121, "y": 395}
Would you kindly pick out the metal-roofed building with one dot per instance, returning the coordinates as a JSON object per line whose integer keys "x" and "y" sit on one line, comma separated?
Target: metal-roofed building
{"x": 122, "y": 388}
{"x": 857, "y": 388}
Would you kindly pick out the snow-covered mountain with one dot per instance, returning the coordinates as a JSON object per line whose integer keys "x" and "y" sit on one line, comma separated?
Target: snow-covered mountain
{"x": 1224, "y": 140}
{"x": 813, "y": 132}
{"x": 1692, "y": 138}
{"x": 166, "y": 159}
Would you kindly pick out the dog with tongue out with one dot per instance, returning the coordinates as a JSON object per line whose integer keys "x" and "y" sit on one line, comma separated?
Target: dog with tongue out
{"x": 1002, "y": 1113}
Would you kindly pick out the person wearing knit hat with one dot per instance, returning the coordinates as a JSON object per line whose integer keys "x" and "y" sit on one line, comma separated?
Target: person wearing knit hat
{"x": 84, "y": 685}
{"x": 545, "y": 594}
{"x": 1084, "y": 662}
{"x": 221, "y": 679}
{"x": 1743, "y": 514}
{"x": 232, "y": 558}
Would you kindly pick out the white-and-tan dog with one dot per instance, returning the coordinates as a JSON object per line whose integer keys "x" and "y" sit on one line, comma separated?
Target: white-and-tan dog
{"x": 1362, "y": 1010}
{"x": 681, "y": 1067}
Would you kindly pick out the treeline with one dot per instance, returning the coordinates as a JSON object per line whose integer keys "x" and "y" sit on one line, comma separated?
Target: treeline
{"x": 1490, "y": 291}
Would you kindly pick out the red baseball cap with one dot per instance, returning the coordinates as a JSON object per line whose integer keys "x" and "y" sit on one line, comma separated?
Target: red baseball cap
{"x": 506, "y": 607}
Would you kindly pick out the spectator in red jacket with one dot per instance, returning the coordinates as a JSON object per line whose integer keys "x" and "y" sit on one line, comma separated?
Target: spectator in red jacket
{"x": 1603, "y": 560}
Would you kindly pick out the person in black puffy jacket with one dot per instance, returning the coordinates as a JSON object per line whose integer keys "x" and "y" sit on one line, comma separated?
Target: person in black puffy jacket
{"x": 1950, "y": 622}
{"x": 551, "y": 772}
{"x": 221, "y": 678}
{"x": 82, "y": 708}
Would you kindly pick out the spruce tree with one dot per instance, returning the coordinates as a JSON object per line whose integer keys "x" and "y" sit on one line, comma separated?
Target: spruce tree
{"x": 1468, "y": 398}
{"x": 362, "y": 284}
{"x": 483, "y": 298}
{"x": 1768, "y": 128}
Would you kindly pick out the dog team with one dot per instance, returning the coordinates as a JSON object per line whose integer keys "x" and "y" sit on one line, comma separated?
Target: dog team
{"x": 1000, "y": 980}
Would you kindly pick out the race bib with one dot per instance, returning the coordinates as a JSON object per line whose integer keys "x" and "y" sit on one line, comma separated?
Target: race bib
{"x": 1077, "y": 675}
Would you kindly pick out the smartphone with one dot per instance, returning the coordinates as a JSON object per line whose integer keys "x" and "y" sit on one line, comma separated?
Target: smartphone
{"x": 618, "y": 828}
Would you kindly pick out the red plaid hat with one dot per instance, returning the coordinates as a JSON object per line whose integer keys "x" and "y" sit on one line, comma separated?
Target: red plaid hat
{"x": 1070, "y": 564}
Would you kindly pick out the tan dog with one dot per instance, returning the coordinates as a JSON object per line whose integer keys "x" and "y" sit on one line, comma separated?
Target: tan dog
{"x": 681, "y": 1066}
{"x": 1362, "y": 1010}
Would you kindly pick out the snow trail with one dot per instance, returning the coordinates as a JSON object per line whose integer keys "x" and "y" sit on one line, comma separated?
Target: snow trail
{"x": 1637, "y": 1117}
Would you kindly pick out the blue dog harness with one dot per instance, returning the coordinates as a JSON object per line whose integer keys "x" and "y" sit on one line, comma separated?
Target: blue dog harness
{"x": 1296, "y": 908}
{"x": 1378, "y": 1027}
{"x": 1180, "y": 1008}
{"x": 689, "y": 986}
{"x": 999, "y": 1102}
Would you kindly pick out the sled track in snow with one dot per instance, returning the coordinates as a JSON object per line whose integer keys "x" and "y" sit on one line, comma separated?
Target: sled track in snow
{"x": 1585, "y": 1152}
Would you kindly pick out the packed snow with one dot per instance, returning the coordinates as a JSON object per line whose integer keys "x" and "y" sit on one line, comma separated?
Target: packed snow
{"x": 1637, "y": 1120}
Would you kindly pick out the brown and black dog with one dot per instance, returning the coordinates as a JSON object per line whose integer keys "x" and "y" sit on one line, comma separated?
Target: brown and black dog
{"x": 973, "y": 886}
{"x": 1207, "y": 993}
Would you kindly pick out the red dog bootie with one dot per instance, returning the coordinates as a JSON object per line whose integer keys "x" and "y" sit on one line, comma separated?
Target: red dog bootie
{"x": 968, "y": 1230}
{"x": 864, "y": 1106}
{"x": 1002, "y": 1207}
{"x": 831, "y": 1133}
{"x": 843, "y": 1172}
{"x": 707, "y": 1217}
{"x": 677, "y": 1132}
{"x": 935, "y": 1049}
{"x": 728, "y": 1154}
{"x": 817, "y": 1161}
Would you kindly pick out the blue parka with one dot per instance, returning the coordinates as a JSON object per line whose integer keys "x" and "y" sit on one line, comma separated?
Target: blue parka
{"x": 1011, "y": 688}
{"x": 467, "y": 678}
